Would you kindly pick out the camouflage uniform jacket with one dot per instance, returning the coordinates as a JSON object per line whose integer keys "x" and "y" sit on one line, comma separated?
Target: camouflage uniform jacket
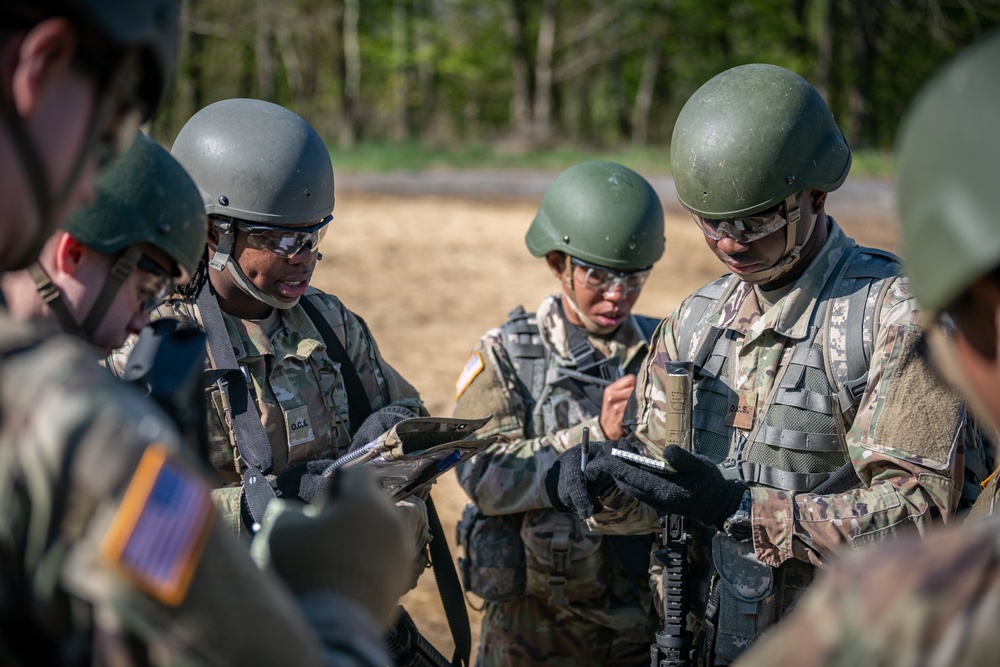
{"x": 90, "y": 472}
{"x": 508, "y": 477}
{"x": 299, "y": 393}
{"x": 766, "y": 410}
{"x": 900, "y": 604}
{"x": 902, "y": 442}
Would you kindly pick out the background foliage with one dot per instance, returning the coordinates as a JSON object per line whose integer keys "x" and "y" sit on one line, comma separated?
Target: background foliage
{"x": 515, "y": 77}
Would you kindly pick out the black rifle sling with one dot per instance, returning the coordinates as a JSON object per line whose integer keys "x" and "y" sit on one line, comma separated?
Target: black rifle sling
{"x": 251, "y": 440}
{"x": 444, "y": 569}
{"x": 450, "y": 589}
{"x": 358, "y": 405}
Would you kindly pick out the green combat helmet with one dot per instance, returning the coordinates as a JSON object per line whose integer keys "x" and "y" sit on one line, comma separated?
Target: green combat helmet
{"x": 949, "y": 164}
{"x": 600, "y": 212}
{"x": 130, "y": 46}
{"x": 145, "y": 198}
{"x": 750, "y": 138}
{"x": 258, "y": 162}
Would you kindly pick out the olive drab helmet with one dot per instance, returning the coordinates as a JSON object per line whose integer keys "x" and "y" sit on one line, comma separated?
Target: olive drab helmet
{"x": 753, "y": 137}
{"x": 133, "y": 47}
{"x": 600, "y": 212}
{"x": 949, "y": 165}
{"x": 144, "y": 198}
{"x": 258, "y": 162}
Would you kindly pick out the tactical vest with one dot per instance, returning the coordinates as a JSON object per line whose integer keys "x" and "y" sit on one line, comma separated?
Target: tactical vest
{"x": 796, "y": 444}
{"x": 566, "y": 562}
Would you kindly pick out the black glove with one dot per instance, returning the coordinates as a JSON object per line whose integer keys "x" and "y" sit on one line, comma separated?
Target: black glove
{"x": 304, "y": 481}
{"x": 572, "y": 490}
{"x": 378, "y": 423}
{"x": 696, "y": 491}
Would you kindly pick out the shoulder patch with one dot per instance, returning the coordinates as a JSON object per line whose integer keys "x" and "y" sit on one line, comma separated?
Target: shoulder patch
{"x": 160, "y": 528}
{"x": 473, "y": 367}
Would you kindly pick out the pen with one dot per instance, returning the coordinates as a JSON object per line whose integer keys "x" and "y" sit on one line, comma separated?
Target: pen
{"x": 585, "y": 445}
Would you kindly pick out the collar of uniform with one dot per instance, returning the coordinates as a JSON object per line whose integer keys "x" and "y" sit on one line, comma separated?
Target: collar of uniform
{"x": 790, "y": 315}
{"x": 626, "y": 342}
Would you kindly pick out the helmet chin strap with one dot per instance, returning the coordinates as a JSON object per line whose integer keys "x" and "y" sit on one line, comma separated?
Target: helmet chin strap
{"x": 223, "y": 259}
{"x": 792, "y": 251}
{"x": 122, "y": 268}
{"x": 588, "y": 324}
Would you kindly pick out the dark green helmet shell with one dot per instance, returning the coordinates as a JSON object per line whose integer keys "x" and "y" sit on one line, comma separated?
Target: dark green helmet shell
{"x": 949, "y": 166}
{"x": 145, "y": 196}
{"x": 257, "y": 161}
{"x": 750, "y": 137}
{"x": 600, "y": 212}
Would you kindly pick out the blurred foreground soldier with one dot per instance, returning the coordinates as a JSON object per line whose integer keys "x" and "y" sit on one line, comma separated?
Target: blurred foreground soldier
{"x": 557, "y": 593}
{"x": 934, "y": 602}
{"x": 816, "y": 425}
{"x": 111, "y": 550}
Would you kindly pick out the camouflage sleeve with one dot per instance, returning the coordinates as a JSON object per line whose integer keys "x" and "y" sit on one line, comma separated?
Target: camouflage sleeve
{"x": 902, "y": 444}
{"x": 508, "y": 476}
{"x": 905, "y": 602}
{"x": 623, "y": 514}
{"x": 102, "y": 480}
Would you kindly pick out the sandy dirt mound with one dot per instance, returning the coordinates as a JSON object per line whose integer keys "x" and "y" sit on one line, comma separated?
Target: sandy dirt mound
{"x": 431, "y": 274}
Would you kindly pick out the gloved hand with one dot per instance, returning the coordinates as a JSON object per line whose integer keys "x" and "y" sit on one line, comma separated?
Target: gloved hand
{"x": 570, "y": 489}
{"x": 304, "y": 481}
{"x": 378, "y": 423}
{"x": 696, "y": 491}
{"x": 353, "y": 544}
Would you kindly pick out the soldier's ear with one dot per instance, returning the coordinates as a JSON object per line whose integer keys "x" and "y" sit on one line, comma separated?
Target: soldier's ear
{"x": 557, "y": 262}
{"x": 45, "y": 52}
{"x": 69, "y": 254}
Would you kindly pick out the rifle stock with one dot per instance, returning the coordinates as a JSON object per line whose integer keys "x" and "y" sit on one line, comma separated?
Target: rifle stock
{"x": 409, "y": 648}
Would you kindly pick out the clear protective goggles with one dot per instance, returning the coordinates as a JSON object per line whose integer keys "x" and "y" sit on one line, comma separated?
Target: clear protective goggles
{"x": 155, "y": 283}
{"x": 602, "y": 279}
{"x": 748, "y": 229}
{"x": 284, "y": 241}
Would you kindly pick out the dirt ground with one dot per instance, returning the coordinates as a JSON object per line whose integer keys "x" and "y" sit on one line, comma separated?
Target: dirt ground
{"x": 431, "y": 274}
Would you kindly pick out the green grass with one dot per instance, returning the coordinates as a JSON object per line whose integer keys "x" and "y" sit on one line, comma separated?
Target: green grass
{"x": 653, "y": 160}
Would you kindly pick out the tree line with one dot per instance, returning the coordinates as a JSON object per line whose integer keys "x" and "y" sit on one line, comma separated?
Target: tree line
{"x": 531, "y": 74}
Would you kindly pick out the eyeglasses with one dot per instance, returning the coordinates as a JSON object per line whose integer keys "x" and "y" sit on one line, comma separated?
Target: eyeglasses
{"x": 155, "y": 283}
{"x": 284, "y": 241}
{"x": 602, "y": 279}
{"x": 748, "y": 229}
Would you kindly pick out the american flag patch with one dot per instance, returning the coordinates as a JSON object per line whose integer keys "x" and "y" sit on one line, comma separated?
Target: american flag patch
{"x": 158, "y": 533}
{"x": 472, "y": 368}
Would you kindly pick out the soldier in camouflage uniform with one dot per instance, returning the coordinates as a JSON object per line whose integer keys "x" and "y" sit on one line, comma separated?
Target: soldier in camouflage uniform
{"x": 112, "y": 552}
{"x": 815, "y": 423}
{"x": 937, "y": 601}
{"x": 267, "y": 218}
{"x": 574, "y": 598}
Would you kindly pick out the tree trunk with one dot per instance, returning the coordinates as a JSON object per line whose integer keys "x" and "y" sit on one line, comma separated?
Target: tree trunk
{"x": 351, "y": 90}
{"x": 399, "y": 128}
{"x": 860, "y": 131}
{"x": 515, "y": 20}
{"x": 647, "y": 78}
{"x": 263, "y": 57}
{"x": 542, "y": 112}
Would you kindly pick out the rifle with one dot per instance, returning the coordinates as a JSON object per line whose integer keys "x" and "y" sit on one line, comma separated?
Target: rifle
{"x": 673, "y": 645}
{"x": 409, "y": 648}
